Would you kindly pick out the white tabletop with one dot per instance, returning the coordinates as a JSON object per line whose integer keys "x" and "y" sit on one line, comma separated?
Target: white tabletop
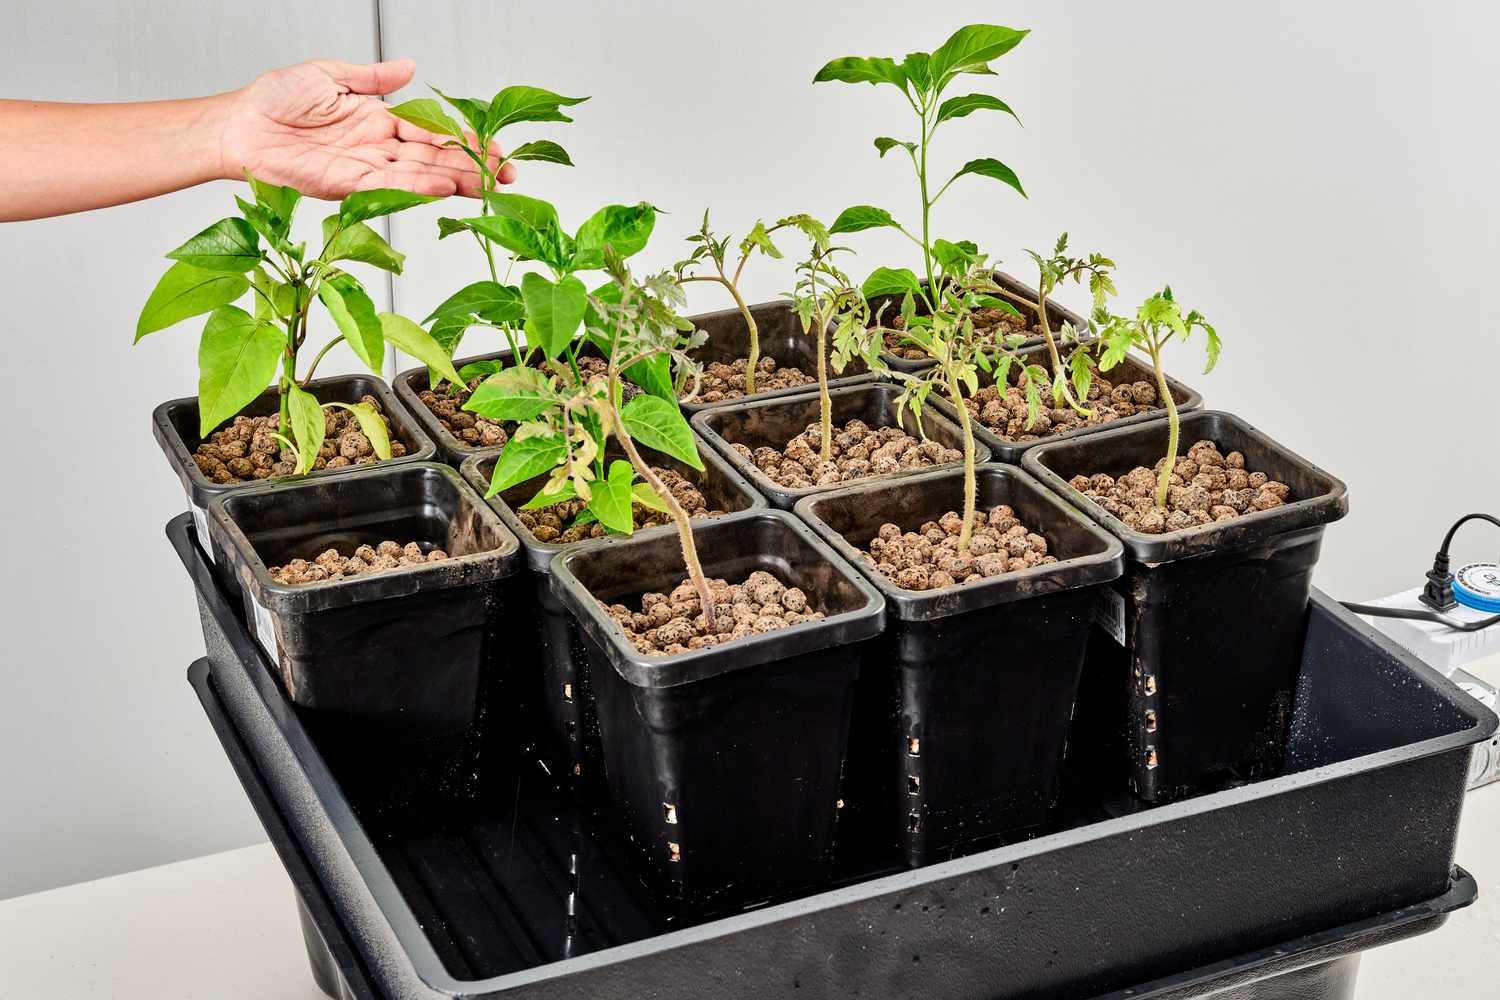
{"x": 225, "y": 927}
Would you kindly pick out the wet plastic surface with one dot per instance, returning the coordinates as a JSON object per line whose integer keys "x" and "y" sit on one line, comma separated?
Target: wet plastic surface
{"x": 724, "y": 763}
{"x": 1132, "y": 369}
{"x": 509, "y": 891}
{"x": 1213, "y": 616}
{"x": 565, "y": 694}
{"x": 396, "y": 654}
{"x": 175, "y": 426}
{"x": 963, "y": 709}
{"x": 774, "y": 422}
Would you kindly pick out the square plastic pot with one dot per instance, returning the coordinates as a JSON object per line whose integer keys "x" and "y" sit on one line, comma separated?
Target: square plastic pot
{"x": 724, "y": 763}
{"x": 774, "y": 422}
{"x": 1132, "y": 369}
{"x": 175, "y": 426}
{"x": 1211, "y": 620}
{"x": 964, "y": 707}
{"x": 563, "y": 689}
{"x": 1057, "y": 315}
{"x": 781, "y": 337}
{"x": 388, "y": 657}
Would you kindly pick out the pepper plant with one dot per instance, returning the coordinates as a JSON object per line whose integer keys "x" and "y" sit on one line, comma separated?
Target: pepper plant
{"x": 240, "y": 351}
{"x": 923, "y": 78}
{"x": 825, "y": 299}
{"x": 489, "y": 303}
{"x": 1151, "y": 329}
{"x": 715, "y": 250}
{"x": 567, "y": 421}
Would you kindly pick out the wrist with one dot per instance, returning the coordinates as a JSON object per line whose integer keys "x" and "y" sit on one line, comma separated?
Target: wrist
{"x": 211, "y": 150}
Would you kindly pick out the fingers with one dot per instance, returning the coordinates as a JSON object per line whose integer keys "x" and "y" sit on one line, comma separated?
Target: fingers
{"x": 465, "y": 180}
{"x": 424, "y": 182}
{"x": 452, "y": 159}
{"x": 371, "y": 78}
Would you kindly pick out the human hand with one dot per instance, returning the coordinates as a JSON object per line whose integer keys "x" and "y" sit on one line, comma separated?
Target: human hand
{"x": 318, "y": 127}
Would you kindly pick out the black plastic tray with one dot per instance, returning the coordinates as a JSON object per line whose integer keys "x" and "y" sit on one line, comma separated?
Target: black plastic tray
{"x": 512, "y": 895}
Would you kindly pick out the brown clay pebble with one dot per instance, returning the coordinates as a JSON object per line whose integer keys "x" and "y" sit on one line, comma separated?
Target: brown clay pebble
{"x": 1006, "y": 413}
{"x": 332, "y": 565}
{"x": 669, "y": 624}
{"x": 1003, "y": 323}
{"x": 859, "y": 450}
{"x": 723, "y": 380}
{"x": 246, "y": 450}
{"x": 998, "y": 544}
{"x": 1206, "y": 486}
{"x": 547, "y": 524}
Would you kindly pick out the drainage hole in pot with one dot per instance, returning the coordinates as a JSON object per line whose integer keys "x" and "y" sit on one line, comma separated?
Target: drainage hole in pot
{"x": 669, "y": 812}
{"x": 857, "y": 451}
{"x": 1150, "y": 720}
{"x": 1150, "y": 757}
{"x": 913, "y": 747}
{"x": 668, "y": 624}
{"x": 567, "y": 692}
{"x": 913, "y": 784}
{"x": 1150, "y": 683}
{"x": 674, "y": 851}
{"x": 913, "y": 823}
{"x": 929, "y": 558}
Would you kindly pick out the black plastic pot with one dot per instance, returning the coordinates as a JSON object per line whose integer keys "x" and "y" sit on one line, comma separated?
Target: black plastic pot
{"x": 1057, "y": 315}
{"x": 951, "y": 750}
{"x": 1213, "y": 617}
{"x": 724, "y": 763}
{"x": 513, "y": 894}
{"x": 389, "y": 656}
{"x": 774, "y": 422}
{"x": 564, "y": 692}
{"x": 780, "y": 337}
{"x": 175, "y": 425}
{"x": 1131, "y": 369}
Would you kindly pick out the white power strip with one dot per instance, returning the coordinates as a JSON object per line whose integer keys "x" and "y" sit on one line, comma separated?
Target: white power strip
{"x": 1446, "y": 651}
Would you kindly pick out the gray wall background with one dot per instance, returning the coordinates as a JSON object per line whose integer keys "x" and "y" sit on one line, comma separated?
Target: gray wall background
{"x": 1317, "y": 178}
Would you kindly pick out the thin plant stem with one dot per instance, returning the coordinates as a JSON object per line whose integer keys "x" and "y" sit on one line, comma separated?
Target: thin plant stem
{"x": 971, "y": 487}
{"x": 1164, "y": 479}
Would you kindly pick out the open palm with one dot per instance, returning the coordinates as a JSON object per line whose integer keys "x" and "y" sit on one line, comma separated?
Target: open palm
{"x": 320, "y": 128}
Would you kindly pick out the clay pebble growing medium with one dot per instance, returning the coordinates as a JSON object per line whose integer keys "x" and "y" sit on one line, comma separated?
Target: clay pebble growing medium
{"x": 859, "y": 450}
{"x": 724, "y": 381}
{"x": 1001, "y": 322}
{"x": 1005, "y": 413}
{"x": 668, "y": 624}
{"x": 553, "y": 522}
{"x": 475, "y": 431}
{"x": 928, "y": 559}
{"x": 330, "y": 564}
{"x": 247, "y": 449}
{"x": 1206, "y": 486}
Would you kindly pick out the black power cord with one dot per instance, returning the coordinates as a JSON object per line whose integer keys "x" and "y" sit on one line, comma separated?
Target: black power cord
{"x": 1438, "y": 592}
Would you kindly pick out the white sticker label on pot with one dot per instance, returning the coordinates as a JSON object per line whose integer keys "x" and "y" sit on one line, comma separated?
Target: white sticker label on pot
{"x": 200, "y": 525}
{"x": 265, "y": 630}
{"x": 1109, "y": 613}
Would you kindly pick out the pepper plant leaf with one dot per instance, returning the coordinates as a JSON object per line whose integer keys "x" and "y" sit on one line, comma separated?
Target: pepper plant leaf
{"x": 372, "y": 425}
{"x": 648, "y": 497}
{"x": 495, "y": 302}
{"x": 611, "y": 500}
{"x": 231, "y": 245}
{"x": 859, "y": 217}
{"x": 526, "y": 458}
{"x": 354, "y": 314}
{"x": 519, "y": 393}
{"x": 885, "y": 144}
{"x": 407, "y": 336}
{"x": 554, "y": 311}
{"x": 625, "y": 228}
{"x": 564, "y": 493}
{"x": 660, "y": 425}
{"x": 958, "y": 107}
{"x": 361, "y": 206}
{"x": 186, "y": 291}
{"x": 308, "y": 426}
{"x": 359, "y": 242}
{"x": 279, "y": 202}
{"x": 990, "y": 167}
{"x": 527, "y": 104}
{"x": 971, "y": 49}
{"x": 475, "y": 112}
{"x": 424, "y": 112}
{"x": 862, "y": 69}
{"x": 541, "y": 150}
{"x": 237, "y": 358}
{"x": 891, "y": 281}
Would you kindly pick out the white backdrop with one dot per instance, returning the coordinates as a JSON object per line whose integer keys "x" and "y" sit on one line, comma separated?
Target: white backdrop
{"x": 1317, "y": 178}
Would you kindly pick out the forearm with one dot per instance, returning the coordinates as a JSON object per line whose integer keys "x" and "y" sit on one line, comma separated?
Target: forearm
{"x": 60, "y": 158}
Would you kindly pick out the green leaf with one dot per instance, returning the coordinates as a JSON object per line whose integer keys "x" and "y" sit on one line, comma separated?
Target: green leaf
{"x": 862, "y": 69}
{"x": 534, "y": 212}
{"x": 230, "y": 245}
{"x": 990, "y": 302}
{"x": 407, "y": 336}
{"x": 280, "y": 202}
{"x": 958, "y": 107}
{"x": 758, "y": 238}
{"x": 518, "y": 393}
{"x": 261, "y": 308}
{"x": 359, "y": 242}
{"x": 186, "y": 291}
{"x": 545, "y": 499}
{"x": 885, "y": 144}
{"x": 495, "y": 302}
{"x": 447, "y": 332}
{"x": 554, "y": 311}
{"x": 237, "y": 358}
{"x": 541, "y": 150}
{"x": 611, "y": 500}
{"x": 1116, "y": 348}
{"x": 373, "y": 425}
{"x": 648, "y": 497}
{"x": 653, "y": 374}
{"x": 658, "y": 424}
{"x": 528, "y": 104}
{"x": 362, "y": 206}
{"x": 988, "y": 167}
{"x": 891, "y": 281}
{"x": 516, "y": 237}
{"x": 1081, "y": 371}
{"x": 955, "y": 258}
{"x": 859, "y": 217}
{"x": 475, "y": 112}
{"x": 1033, "y": 402}
{"x": 972, "y": 48}
{"x": 526, "y": 458}
{"x": 424, "y": 112}
{"x": 308, "y": 426}
{"x": 354, "y": 314}
{"x": 626, "y": 228}
{"x": 916, "y": 66}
